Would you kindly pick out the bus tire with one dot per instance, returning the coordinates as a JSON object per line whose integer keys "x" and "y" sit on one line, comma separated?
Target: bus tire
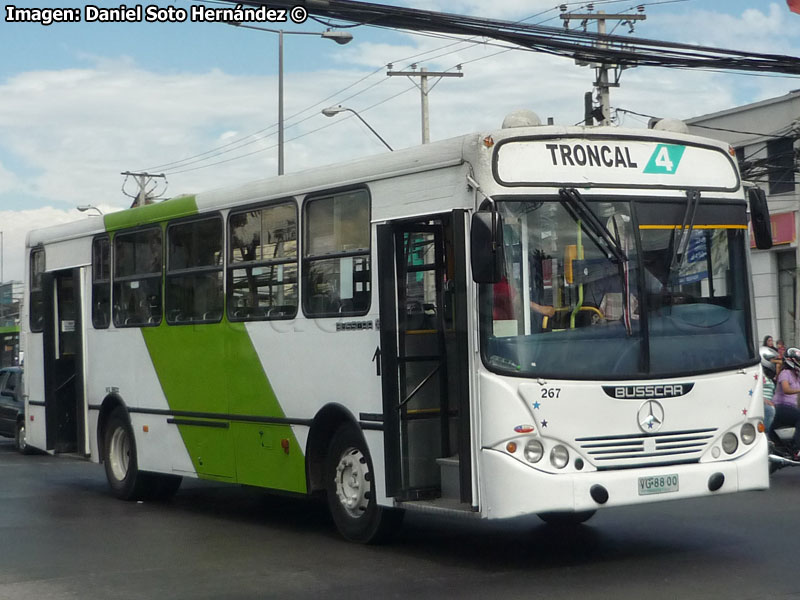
{"x": 119, "y": 455}
{"x": 21, "y": 439}
{"x": 566, "y": 519}
{"x": 349, "y": 487}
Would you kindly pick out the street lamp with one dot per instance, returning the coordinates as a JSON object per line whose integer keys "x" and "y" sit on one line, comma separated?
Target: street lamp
{"x": 340, "y": 37}
{"x": 87, "y": 207}
{"x": 335, "y": 110}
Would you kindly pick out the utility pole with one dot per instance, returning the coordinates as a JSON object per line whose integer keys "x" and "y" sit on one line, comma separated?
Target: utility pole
{"x": 602, "y": 82}
{"x": 147, "y": 184}
{"x": 423, "y": 75}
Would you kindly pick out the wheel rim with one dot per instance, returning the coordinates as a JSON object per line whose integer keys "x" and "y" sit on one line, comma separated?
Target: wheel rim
{"x": 22, "y": 443}
{"x": 352, "y": 482}
{"x": 119, "y": 453}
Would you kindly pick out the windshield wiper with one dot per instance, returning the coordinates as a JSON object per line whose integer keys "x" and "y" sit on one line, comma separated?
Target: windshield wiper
{"x": 574, "y": 203}
{"x": 680, "y": 249}
{"x": 580, "y": 212}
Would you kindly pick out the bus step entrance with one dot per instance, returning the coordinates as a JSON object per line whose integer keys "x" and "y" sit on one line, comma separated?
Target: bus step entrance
{"x": 422, "y": 358}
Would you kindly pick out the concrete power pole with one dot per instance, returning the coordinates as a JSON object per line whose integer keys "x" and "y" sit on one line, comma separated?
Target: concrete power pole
{"x": 423, "y": 75}
{"x": 146, "y": 184}
{"x": 602, "y": 82}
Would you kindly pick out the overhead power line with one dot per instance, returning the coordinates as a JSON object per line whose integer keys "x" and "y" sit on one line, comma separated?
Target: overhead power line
{"x": 297, "y": 137}
{"x": 578, "y": 45}
{"x": 775, "y": 134}
{"x": 457, "y": 45}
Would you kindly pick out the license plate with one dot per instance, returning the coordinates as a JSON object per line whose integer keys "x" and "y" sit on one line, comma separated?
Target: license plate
{"x": 658, "y": 484}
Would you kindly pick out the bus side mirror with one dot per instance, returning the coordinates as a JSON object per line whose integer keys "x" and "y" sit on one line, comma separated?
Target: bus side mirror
{"x": 759, "y": 217}
{"x": 486, "y": 247}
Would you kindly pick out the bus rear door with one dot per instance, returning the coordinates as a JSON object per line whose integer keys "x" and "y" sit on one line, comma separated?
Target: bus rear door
{"x": 63, "y": 361}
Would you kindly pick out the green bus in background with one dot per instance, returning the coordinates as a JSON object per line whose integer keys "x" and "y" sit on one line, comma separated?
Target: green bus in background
{"x": 9, "y": 346}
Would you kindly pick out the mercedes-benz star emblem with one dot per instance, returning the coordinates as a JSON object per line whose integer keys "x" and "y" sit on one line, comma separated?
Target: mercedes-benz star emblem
{"x": 650, "y": 416}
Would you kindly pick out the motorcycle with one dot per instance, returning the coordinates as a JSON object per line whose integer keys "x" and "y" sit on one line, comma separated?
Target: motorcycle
{"x": 780, "y": 453}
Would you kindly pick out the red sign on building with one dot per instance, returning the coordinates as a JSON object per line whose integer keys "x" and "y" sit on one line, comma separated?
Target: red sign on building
{"x": 783, "y": 228}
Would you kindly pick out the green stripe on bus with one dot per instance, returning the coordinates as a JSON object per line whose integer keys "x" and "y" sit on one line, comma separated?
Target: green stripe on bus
{"x": 9, "y": 329}
{"x": 182, "y": 206}
{"x": 214, "y": 369}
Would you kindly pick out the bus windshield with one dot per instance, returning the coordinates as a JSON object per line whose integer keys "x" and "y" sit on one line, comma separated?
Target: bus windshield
{"x": 615, "y": 288}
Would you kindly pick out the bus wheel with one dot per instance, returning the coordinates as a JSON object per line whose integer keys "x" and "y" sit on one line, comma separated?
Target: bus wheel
{"x": 566, "y": 519}
{"x": 21, "y": 439}
{"x": 349, "y": 485}
{"x": 119, "y": 456}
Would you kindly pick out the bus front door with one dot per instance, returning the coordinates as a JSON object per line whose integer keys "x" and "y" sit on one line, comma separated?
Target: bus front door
{"x": 63, "y": 361}
{"x": 424, "y": 358}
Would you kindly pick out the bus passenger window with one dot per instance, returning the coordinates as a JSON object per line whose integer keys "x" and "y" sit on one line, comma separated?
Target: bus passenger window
{"x": 36, "y": 290}
{"x": 194, "y": 272}
{"x": 262, "y": 269}
{"x": 137, "y": 278}
{"x": 101, "y": 283}
{"x": 336, "y": 278}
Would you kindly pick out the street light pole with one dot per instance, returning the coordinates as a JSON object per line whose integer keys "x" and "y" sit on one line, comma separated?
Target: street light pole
{"x": 423, "y": 75}
{"x": 335, "y": 110}
{"x": 340, "y": 37}
{"x": 280, "y": 102}
{"x": 88, "y": 207}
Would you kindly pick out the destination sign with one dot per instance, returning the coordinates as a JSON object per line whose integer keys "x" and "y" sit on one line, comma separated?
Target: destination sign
{"x": 586, "y": 162}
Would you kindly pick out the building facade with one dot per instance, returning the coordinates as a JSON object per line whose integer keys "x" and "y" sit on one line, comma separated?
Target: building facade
{"x": 766, "y": 137}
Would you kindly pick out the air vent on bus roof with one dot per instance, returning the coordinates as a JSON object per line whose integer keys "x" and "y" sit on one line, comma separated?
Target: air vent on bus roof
{"x": 521, "y": 118}
{"x": 674, "y": 125}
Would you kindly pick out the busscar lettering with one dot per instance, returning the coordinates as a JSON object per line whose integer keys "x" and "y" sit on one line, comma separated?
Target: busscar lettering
{"x": 649, "y": 391}
{"x": 43, "y": 16}
{"x": 591, "y": 155}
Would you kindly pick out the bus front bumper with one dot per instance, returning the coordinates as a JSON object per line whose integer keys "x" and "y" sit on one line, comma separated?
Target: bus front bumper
{"x": 512, "y": 488}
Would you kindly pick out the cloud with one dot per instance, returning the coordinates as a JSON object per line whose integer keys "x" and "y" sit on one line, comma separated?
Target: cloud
{"x": 15, "y": 224}
{"x": 8, "y": 180}
{"x": 503, "y": 9}
{"x": 772, "y": 31}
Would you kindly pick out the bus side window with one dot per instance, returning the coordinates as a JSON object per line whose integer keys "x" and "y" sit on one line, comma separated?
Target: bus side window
{"x": 194, "y": 272}
{"x": 262, "y": 269}
{"x": 36, "y": 290}
{"x": 137, "y": 278}
{"x": 101, "y": 283}
{"x": 336, "y": 279}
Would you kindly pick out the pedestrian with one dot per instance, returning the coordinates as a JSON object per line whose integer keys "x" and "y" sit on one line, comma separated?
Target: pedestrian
{"x": 787, "y": 413}
{"x": 769, "y": 368}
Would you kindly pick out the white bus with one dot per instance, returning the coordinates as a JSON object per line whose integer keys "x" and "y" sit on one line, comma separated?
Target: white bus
{"x": 537, "y": 320}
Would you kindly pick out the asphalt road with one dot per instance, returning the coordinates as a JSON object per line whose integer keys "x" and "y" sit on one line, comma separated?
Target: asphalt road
{"x": 63, "y": 536}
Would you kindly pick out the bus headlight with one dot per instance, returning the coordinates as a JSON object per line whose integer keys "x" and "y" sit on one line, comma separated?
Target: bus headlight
{"x": 559, "y": 457}
{"x": 730, "y": 443}
{"x": 748, "y": 433}
{"x": 534, "y": 451}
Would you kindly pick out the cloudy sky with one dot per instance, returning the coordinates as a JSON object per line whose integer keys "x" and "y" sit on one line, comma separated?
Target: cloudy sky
{"x": 82, "y": 102}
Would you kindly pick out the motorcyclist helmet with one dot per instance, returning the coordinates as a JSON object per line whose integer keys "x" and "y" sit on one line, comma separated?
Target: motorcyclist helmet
{"x": 767, "y": 356}
{"x": 791, "y": 358}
